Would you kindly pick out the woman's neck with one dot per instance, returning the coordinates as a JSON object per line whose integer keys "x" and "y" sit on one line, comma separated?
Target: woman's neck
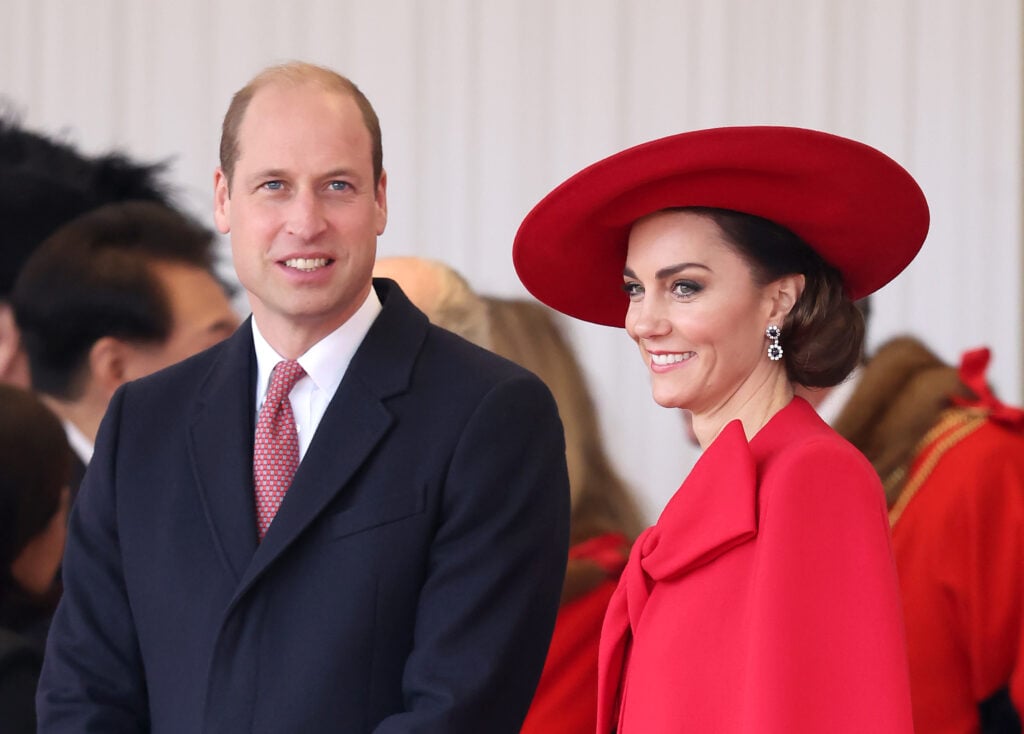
{"x": 753, "y": 405}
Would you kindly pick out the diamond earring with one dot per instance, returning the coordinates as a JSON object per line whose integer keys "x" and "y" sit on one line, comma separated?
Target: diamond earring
{"x": 773, "y": 332}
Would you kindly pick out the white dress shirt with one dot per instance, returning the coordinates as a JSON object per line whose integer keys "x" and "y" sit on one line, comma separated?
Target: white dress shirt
{"x": 325, "y": 364}
{"x": 79, "y": 442}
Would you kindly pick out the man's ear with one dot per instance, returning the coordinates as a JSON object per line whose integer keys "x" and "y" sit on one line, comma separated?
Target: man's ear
{"x": 784, "y": 293}
{"x": 221, "y": 201}
{"x": 108, "y": 364}
{"x": 381, "y": 199}
{"x": 12, "y": 359}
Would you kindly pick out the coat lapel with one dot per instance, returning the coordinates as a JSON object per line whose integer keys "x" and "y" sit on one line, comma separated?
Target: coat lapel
{"x": 713, "y": 511}
{"x": 355, "y": 422}
{"x": 220, "y": 446}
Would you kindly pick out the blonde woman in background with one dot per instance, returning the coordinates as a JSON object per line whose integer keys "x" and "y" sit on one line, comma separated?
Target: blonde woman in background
{"x": 605, "y": 518}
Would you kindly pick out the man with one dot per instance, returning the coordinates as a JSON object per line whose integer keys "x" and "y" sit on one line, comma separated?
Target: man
{"x": 116, "y": 294}
{"x": 45, "y": 183}
{"x": 409, "y": 578}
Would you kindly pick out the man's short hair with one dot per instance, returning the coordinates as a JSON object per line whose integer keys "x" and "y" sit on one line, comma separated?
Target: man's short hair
{"x": 93, "y": 278}
{"x": 295, "y": 73}
{"x": 45, "y": 183}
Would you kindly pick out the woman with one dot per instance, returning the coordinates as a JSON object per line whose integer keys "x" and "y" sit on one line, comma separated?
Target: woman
{"x": 765, "y": 597}
{"x": 35, "y": 466}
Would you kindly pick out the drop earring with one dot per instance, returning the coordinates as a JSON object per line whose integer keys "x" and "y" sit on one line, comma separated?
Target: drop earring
{"x": 773, "y": 332}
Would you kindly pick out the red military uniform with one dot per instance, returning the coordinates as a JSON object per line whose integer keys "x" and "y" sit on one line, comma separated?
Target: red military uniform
{"x": 958, "y": 535}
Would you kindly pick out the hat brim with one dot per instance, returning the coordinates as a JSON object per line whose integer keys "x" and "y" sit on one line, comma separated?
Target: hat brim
{"x": 856, "y": 207}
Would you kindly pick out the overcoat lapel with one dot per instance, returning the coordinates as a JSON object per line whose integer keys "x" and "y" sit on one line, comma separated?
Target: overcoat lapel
{"x": 353, "y": 425}
{"x": 714, "y": 511}
{"x": 220, "y": 446}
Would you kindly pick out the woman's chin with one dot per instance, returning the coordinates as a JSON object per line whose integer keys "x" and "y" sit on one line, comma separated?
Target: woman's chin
{"x": 669, "y": 400}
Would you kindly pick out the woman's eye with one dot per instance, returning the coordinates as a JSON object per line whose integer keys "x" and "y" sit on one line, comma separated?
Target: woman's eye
{"x": 684, "y": 288}
{"x": 633, "y": 290}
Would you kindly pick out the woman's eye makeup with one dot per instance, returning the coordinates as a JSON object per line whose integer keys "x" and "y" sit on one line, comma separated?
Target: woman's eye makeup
{"x": 633, "y": 289}
{"x": 683, "y": 288}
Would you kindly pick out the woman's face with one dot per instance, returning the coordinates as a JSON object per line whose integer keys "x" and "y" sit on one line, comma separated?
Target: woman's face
{"x": 696, "y": 313}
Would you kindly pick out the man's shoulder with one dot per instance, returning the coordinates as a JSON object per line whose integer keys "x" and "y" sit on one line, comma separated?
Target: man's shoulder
{"x": 404, "y": 348}
{"x": 450, "y": 349}
{"x": 181, "y": 379}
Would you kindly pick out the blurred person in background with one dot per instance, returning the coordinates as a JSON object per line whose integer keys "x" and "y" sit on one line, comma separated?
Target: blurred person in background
{"x": 114, "y": 295}
{"x": 950, "y": 456}
{"x": 45, "y": 183}
{"x": 35, "y": 466}
{"x": 604, "y": 515}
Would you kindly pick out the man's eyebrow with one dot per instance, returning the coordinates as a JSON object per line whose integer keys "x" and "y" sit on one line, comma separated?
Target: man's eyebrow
{"x": 268, "y": 173}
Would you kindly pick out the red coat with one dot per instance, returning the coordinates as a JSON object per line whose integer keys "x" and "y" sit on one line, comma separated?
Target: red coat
{"x": 764, "y": 600}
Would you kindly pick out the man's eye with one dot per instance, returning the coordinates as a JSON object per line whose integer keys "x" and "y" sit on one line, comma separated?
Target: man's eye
{"x": 273, "y": 185}
{"x": 339, "y": 185}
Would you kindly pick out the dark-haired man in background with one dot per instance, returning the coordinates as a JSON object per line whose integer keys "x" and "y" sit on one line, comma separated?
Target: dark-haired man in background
{"x": 45, "y": 183}
{"x": 114, "y": 295}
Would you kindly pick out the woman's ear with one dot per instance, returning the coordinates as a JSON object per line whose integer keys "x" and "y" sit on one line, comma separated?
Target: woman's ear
{"x": 784, "y": 294}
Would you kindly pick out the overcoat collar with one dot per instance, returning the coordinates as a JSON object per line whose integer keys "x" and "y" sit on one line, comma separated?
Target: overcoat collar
{"x": 713, "y": 511}
{"x": 221, "y": 437}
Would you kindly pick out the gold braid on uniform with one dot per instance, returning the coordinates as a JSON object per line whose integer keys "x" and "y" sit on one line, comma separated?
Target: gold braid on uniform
{"x": 954, "y": 425}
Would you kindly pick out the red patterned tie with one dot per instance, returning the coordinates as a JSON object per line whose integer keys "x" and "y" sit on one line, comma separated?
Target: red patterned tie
{"x": 276, "y": 455}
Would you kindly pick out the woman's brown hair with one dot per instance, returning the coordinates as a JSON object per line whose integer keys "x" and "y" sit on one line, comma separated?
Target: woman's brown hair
{"x": 35, "y": 466}
{"x": 823, "y": 335}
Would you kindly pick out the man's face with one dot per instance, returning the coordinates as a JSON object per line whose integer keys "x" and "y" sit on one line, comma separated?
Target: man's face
{"x": 201, "y": 316}
{"x": 303, "y": 212}
{"x": 13, "y": 360}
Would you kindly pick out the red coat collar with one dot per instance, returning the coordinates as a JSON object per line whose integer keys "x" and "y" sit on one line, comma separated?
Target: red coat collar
{"x": 715, "y": 510}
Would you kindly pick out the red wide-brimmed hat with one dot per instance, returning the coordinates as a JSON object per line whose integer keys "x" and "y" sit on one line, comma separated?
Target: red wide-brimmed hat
{"x": 855, "y": 206}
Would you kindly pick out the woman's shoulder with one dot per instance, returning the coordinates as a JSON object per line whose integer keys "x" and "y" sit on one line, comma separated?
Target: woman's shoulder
{"x": 798, "y": 433}
{"x": 810, "y": 461}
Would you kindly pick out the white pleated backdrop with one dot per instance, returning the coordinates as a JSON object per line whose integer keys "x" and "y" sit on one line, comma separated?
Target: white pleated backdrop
{"x": 488, "y": 104}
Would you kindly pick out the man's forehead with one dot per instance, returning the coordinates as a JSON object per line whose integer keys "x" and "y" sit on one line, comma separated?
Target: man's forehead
{"x": 282, "y": 97}
{"x": 299, "y": 114}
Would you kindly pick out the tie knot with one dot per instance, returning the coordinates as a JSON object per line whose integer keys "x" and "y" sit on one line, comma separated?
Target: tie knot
{"x": 286, "y": 373}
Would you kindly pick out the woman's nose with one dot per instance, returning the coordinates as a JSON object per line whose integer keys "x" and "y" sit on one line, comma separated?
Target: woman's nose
{"x": 646, "y": 318}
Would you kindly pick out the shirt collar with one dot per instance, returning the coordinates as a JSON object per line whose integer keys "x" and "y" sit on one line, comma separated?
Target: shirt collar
{"x": 78, "y": 441}
{"x": 326, "y": 361}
